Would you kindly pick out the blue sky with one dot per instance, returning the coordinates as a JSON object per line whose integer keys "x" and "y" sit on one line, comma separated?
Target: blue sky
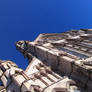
{"x": 25, "y": 19}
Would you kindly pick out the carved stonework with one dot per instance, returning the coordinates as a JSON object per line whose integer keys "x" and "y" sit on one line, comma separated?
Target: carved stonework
{"x": 58, "y": 62}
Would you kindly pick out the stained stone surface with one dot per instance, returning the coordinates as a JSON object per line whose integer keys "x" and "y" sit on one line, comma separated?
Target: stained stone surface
{"x": 58, "y": 62}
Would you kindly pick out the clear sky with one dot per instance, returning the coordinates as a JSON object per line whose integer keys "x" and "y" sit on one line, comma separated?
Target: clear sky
{"x": 25, "y": 19}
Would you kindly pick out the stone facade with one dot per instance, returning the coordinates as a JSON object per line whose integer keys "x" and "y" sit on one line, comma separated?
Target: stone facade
{"x": 59, "y": 62}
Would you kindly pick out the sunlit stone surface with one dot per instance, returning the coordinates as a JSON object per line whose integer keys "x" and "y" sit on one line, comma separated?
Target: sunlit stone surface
{"x": 58, "y": 62}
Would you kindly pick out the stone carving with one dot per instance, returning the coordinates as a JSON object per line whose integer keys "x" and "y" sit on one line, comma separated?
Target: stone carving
{"x": 60, "y": 62}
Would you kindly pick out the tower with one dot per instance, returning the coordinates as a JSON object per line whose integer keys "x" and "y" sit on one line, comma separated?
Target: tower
{"x": 58, "y": 62}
